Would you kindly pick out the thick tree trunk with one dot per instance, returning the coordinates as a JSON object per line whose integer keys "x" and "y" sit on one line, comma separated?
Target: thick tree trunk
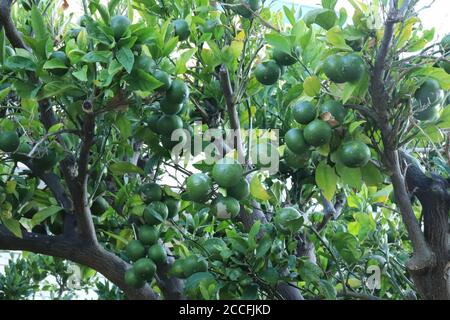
{"x": 434, "y": 196}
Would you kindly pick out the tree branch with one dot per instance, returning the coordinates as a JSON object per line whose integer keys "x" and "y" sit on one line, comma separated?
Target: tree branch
{"x": 225, "y": 83}
{"x": 76, "y": 250}
{"x": 10, "y": 30}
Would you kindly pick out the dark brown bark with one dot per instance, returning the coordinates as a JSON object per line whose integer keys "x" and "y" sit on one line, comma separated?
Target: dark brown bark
{"x": 427, "y": 264}
{"x": 76, "y": 250}
{"x": 432, "y": 192}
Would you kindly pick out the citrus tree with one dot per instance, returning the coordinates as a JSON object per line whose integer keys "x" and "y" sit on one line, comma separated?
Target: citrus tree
{"x": 224, "y": 150}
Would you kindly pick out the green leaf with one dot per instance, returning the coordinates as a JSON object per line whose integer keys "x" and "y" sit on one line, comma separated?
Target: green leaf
{"x": 81, "y": 74}
{"x": 252, "y": 234}
{"x": 335, "y": 37}
{"x": 180, "y": 66}
{"x": 355, "y": 125}
{"x": 311, "y": 86}
{"x": 40, "y": 32}
{"x": 350, "y": 176}
{"x": 289, "y": 15}
{"x": 13, "y": 226}
{"x": 126, "y": 58}
{"x": 97, "y": 56}
{"x": 4, "y": 93}
{"x": 371, "y": 175}
{"x": 347, "y": 245}
{"x": 141, "y": 80}
{"x": 42, "y": 215}
{"x": 59, "y": 88}
{"x": 263, "y": 247}
{"x": 121, "y": 168}
{"x": 326, "y": 180}
{"x": 257, "y": 189}
{"x": 19, "y": 63}
{"x": 278, "y": 41}
{"x": 327, "y": 289}
{"x": 54, "y": 64}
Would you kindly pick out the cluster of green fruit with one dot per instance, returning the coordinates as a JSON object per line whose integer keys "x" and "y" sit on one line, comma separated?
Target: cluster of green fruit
{"x": 268, "y": 72}
{"x": 167, "y": 119}
{"x": 427, "y": 102}
{"x": 228, "y": 174}
{"x": 44, "y": 159}
{"x": 317, "y": 132}
{"x": 344, "y": 68}
{"x": 146, "y": 253}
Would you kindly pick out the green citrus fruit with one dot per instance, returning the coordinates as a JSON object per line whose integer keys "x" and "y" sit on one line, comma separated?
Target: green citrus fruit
{"x": 135, "y": 250}
{"x": 445, "y": 65}
{"x": 193, "y": 264}
{"x": 155, "y": 213}
{"x": 99, "y": 206}
{"x": 46, "y": 161}
{"x": 167, "y": 124}
{"x": 181, "y": 28}
{"x": 240, "y": 191}
{"x": 119, "y": 25}
{"x": 225, "y": 208}
{"x": 267, "y": 72}
{"x": 9, "y": 141}
{"x": 163, "y": 77}
{"x": 144, "y": 268}
{"x": 148, "y": 235}
{"x": 336, "y": 109}
{"x": 177, "y": 270}
{"x": 429, "y": 93}
{"x": 144, "y": 63}
{"x": 227, "y": 172}
{"x": 353, "y": 67}
{"x": 178, "y": 92}
{"x": 151, "y": 192}
{"x": 198, "y": 187}
{"x": 288, "y": 219}
{"x": 283, "y": 58}
{"x": 295, "y": 141}
{"x": 296, "y": 161}
{"x": 157, "y": 254}
{"x": 317, "y": 133}
{"x": 304, "y": 112}
{"x": 333, "y": 68}
{"x": 173, "y": 205}
{"x": 354, "y": 154}
{"x": 133, "y": 280}
{"x": 169, "y": 107}
{"x": 214, "y": 246}
{"x": 244, "y": 11}
{"x": 445, "y": 43}
{"x": 152, "y": 122}
{"x": 62, "y": 58}
{"x": 429, "y": 114}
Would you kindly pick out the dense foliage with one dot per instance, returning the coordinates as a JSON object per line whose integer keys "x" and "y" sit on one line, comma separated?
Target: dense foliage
{"x": 334, "y": 185}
